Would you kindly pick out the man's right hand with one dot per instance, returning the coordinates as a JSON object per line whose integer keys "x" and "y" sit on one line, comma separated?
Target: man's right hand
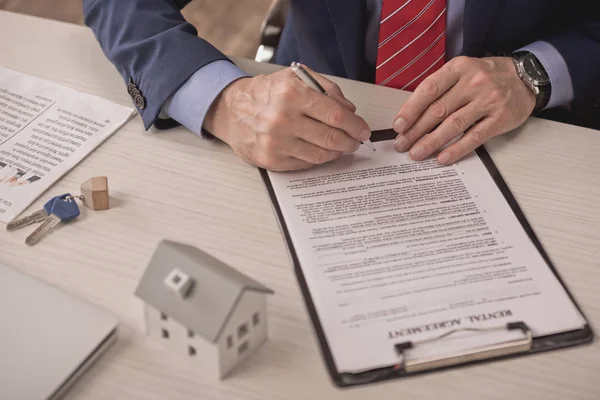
{"x": 278, "y": 123}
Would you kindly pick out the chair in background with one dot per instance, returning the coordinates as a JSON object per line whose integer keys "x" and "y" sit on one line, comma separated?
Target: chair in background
{"x": 270, "y": 31}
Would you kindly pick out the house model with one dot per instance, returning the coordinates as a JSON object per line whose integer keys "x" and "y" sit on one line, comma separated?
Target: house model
{"x": 202, "y": 308}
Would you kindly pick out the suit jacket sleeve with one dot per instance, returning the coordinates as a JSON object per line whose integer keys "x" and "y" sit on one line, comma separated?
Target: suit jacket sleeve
{"x": 580, "y": 48}
{"x": 150, "y": 43}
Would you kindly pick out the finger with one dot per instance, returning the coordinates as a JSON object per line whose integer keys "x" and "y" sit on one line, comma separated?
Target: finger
{"x": 436, "y": 113}
{"x": 332, "y": 113}
{"x": 305, "y": 151}
{"x": 288, "y": 164}
{"x": 327, "y": 137}
{"x": 270, "y": 152}
{"x": 332, "y": 89}
{"x": 432, "y": 88}
{"x": 294, "y": 164}
{"x": 450, "y": 128}
{"x": 477, "y": 135}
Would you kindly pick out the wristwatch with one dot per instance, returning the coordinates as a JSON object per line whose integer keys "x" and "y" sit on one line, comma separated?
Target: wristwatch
{"x": 532, "y": 73}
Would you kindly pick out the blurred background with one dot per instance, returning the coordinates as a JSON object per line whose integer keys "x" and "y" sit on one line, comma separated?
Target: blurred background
{"x": 232, "y": 26}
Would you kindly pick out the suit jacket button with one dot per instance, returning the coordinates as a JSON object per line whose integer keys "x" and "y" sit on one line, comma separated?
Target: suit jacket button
{"x": 140, "y": 102}
{"x": 131, "y": 87}
{"x": 597, "y": 103}
{"x": 135, "y": 92}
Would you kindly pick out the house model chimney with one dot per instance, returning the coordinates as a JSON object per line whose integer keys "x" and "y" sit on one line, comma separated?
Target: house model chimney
{"x": 179, "y": 282}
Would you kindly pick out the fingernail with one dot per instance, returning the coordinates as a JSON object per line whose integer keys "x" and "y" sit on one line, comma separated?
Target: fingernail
{"x": 400, "y": 125}
{"x": 444, "y": 158}
{"x": 401, "y": 143}
{"x": 350, "y": 104}
{"x": 417, "y": 152}
{"x": 366, "y": 134}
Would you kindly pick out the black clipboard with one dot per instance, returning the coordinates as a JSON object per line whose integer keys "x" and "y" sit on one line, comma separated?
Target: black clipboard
{"x": 519, "y": 348}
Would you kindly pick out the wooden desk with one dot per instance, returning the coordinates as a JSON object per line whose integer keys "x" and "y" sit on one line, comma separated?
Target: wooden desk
{"x": 174, "y": 185}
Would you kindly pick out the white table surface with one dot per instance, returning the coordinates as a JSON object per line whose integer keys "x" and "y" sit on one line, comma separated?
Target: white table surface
{"x": 172, "y": 184}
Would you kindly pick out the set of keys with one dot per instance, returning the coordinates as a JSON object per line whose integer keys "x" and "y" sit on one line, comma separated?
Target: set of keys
{"x": 58, "y": 209}
{"x": 64, "y": 208}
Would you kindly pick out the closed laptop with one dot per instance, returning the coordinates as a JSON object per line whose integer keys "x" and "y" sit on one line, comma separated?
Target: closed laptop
{"x": 48, "y": 337}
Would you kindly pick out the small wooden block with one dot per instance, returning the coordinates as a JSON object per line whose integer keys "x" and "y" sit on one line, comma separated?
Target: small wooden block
{"x": 95, "y": 193}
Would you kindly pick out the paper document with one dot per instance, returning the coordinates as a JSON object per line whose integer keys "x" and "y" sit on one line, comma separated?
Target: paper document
{"x": 394, "y": 250}
{"x": 45, "y": 130}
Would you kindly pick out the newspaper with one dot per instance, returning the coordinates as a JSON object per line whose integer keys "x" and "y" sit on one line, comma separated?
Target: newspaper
{"x": 45, "y": 130}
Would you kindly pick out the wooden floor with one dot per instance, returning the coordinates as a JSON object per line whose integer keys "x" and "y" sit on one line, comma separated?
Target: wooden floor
{"x": 230, "y": 25}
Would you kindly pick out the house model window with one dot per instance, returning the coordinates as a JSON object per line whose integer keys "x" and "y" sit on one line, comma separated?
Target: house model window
{"x": 242, "y": 330}
{"x": 243, "y": 348}
{"x": 179, "y": 282}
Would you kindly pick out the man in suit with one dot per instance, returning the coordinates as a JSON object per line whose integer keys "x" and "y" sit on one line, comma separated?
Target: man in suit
{"x": 474, "y": 67}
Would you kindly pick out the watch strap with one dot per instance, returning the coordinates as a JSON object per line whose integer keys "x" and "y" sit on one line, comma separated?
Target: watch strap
{"x": 543, "y": 97}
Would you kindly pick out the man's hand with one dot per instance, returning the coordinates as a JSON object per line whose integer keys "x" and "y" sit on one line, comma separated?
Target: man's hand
{"x": 278, "y": 123}
{"x": 481, "y": 98}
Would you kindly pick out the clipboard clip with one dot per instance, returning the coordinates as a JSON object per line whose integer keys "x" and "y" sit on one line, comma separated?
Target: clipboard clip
{"x": 475, "y": 354}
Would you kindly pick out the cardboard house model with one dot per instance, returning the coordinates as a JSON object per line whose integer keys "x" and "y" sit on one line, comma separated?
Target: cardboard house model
{"x": 201, "y": 308}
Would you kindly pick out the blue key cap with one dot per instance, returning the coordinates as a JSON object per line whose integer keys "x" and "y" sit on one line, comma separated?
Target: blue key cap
{"x": 50, "y": 203}
{"x": 63, "y": 209}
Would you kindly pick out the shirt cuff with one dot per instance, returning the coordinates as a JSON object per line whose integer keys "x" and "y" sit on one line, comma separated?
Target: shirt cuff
{"x": 556, "y": 67}
{"x": 191, "y": 102}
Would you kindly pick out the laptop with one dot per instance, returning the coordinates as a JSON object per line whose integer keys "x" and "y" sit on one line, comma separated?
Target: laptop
{"x": 48, "y": 337}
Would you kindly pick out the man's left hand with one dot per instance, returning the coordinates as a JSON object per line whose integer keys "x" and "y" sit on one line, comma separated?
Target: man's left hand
{"x": 480, "y": 97}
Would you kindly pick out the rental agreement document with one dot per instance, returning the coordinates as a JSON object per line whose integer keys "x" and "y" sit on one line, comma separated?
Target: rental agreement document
{"x": 394, "y": 250}
{"x": 45, "y": 130}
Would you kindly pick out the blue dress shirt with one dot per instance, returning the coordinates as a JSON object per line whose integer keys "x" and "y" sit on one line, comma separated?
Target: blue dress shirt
{"x": 191, "y": 102}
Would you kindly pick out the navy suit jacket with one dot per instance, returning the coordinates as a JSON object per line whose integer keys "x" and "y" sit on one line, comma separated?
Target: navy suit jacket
{"x": 150, "y": 43}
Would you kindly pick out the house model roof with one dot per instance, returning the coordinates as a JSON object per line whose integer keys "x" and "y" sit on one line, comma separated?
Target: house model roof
{"x": 215, "y": 291}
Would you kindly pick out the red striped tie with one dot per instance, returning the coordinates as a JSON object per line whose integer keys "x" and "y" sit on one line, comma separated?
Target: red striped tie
{"x": 412, "y": 42}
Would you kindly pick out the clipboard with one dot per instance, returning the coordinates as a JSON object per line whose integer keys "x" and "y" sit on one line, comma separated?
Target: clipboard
{"x": 404, "y": 367}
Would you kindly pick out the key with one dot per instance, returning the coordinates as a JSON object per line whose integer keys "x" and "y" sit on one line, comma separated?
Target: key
{"x": 62, "y": 210}
{"x": 35, "y": 217}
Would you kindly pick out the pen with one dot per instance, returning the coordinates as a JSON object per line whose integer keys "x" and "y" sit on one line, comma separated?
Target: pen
{"x": 314, "y": 84}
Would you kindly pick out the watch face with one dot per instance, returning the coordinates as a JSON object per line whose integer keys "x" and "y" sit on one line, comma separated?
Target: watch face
{"x": 534, "y": 69}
